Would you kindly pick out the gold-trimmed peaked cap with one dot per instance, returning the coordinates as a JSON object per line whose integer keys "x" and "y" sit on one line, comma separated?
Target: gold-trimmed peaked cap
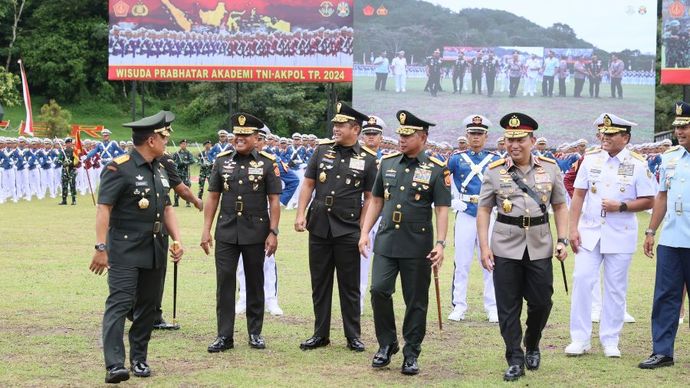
{"x": 374, "y": 124}
{"x": 608, "y": 123}
{"x": 345, "y": 113}
{"x": 245, "y": 124}
{"x": 682, "y": 114}
{"x": 476, "y": 124}
{"x": 409, "y": 123}
{"x": 518, "y": 125}
{"x": 158, "y": 123}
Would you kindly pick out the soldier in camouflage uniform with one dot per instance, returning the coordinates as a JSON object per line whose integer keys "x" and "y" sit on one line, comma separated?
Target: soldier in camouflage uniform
{"x": 183, "y": 159}
{"x": 205, "y": 169}
{"x": 69, "y": 172}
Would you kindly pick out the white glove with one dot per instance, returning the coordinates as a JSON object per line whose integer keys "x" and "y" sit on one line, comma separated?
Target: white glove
{"x": 458, "y": 205}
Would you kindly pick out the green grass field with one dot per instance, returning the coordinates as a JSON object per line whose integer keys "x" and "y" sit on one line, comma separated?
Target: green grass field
{"x": 560, "y": 119}
{"x": 51, "y": 311}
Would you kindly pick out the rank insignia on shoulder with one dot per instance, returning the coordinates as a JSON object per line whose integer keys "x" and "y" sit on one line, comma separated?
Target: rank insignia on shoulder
{"x": 594, "y": 151}
{"x": 368, "y": 150}
{"x": 322, "y": 142}
{"x": 269, "y": 156}
{"x": 394, "y": 154}
{"x": 638, "y": 156}
{"x": 497, "y": 163}
{"x": 544, "y": 158}
{"x": 223, "y": 154}
{"x": 672, "y": 149}
{"x": 436, "y": 161}
{"x": 121, "y": 159}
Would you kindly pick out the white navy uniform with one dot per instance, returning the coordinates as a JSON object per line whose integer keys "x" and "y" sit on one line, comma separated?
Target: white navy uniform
{"x": 608, "y": 238}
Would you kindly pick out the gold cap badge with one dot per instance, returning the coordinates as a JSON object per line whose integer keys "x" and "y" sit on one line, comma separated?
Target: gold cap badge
{"x": 402, "y": 117}
{"x": 679, "y": 109}
{"x": 514, "y": 122}
{"x": 476, "y": 120}
{"x": 338, "y": 106}
{"x": 372, "y": 121}
{"x": 607, "y": 121}
{"x": 242, "y": 120}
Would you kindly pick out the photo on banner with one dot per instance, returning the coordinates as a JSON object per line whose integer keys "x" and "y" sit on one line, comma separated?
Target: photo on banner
{"x": 675, "y": 37}
{"x": 562, "y": 65}
{"x": 220, "y": 40}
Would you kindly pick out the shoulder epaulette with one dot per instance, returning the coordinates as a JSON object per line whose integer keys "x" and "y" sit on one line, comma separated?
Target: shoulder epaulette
{"x": 672, "y": 149}
{"x": 544, "y": 158}
{"x": 394, "y": 154}
{"x": 435, "y": 160}
{"x": 638, "y": 156}
{"x": 368, "y": 150}
{"x": 322, "y": 142}
{"x": 224, "y": 153}
{"x": 121, "y": 159}
{"x": 594, "y": 151}
{"x": 268, "y": 155}
{"x": 497, "y": 163}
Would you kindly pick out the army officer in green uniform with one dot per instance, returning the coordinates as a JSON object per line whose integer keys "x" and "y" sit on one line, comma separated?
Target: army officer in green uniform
{"x": 406, "y": 186}
{"x": 246, "y": 183}
{"x": 522, "y": 186}
{"x": 133, "y": 221}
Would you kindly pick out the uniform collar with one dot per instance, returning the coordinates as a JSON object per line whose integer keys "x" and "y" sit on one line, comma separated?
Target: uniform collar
{"x": 621, "y": 156}
{"x": 355, "y": 147}
{"x": 534, "y": 161}
{"x": 421, "y": 158}
{"x": 254, "y": 154}
{"x": 139, "y": 160}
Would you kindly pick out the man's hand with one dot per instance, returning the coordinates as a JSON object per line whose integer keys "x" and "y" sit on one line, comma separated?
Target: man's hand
{"x": 436, "y": 256}
{"x": 99, "y": 263}
{"x": 206, "y": 242}
{"x": 561, "y": 252}
{"x": 199, "y": 204}
{"x": 649, "y": 246}
{"x": 610, "y": 205}
{"x": 363, "y": 245}
{"x": 271, "y": 244}
{"x": 487, "y": 259}
{"x": 300, "y": 223}
{"x": 176, "y": 251}
{"x": 575, "y": 240}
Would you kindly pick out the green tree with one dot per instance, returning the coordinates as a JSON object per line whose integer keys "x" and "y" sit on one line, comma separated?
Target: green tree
{"x": 56, "y": 119}
{"x": 9, "y": 96}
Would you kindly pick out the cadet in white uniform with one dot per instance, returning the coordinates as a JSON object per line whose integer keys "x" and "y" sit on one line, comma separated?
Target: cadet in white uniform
{"x": 614, "y": 183}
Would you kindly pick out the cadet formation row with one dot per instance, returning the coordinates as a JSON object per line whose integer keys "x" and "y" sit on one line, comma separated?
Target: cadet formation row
{"x": 355, "y": 202}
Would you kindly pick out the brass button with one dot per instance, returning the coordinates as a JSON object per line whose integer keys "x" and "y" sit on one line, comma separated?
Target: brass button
{"x": 158, "y": 215}
{"x": 526, "y": 210}
{"x": 402, "y": 188}
{"x": 239, "y": 197}
{"x": 407, "y": 170}
{"x": 220, "y": 216}
{"x": 125, "y": 236}
{"x": 332, "y": 192}
{"x": 240, "y": 182}
{"x": 242, "y": 167}
{"x": 239, "y": 213}
{"x": 157, "y": 195}
{"x": 337, "y": 176}
{"x": 398, "y": 206}
{"x": 423, "y": 229}
{"x": 603, "y": 222}
{"x": 414, "y": 184}
{"x": 352, "y": 215}
{"x": 397, "y": 226}
{"x": 342, "y": 160}
{"x": 329, "y": 209}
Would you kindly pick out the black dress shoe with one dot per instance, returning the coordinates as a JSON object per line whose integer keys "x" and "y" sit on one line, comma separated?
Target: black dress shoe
{"x": 314, "y": 342}
{"x": 256, "y": 341}
{"x": 221, "y": 344}
{"x": 116, "y": 374}
{"x": 383, "y": 356}
{"x": 355, "y": 344}
{"x": 409, "y": 366}
{"x": 163, "y": 325}
{"x": 656, "y": 361}
{"x": 532, "y": 359}
{"x": 513, "y": 373}
{"x": 140, "y": 369}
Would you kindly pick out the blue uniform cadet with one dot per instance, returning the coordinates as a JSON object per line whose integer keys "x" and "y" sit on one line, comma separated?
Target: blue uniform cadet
{"x": 222, "y": 146}
{"x": 467, "y": 168}
{"x": 107, "y": 149}
{"x": 673, "y": 252}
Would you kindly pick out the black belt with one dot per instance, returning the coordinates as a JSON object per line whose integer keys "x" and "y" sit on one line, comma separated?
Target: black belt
{"x": 522, "y": 221}
{"x": 138, "y": 226}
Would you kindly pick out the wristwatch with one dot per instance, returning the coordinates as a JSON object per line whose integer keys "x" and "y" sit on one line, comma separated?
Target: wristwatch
{"x": 563, "y": 241}
{"x": 274, "y": 231}
{"x": 649, "y": 232}
{"x": 441, "y": 242}
{"x": 624, "y": 207}
{"x": 100, "y": 247}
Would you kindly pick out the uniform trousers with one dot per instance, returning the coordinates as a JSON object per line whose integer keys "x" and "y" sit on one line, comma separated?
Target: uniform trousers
{"x": 672, "y": 271}
{"x": 587, "y": 267}
{"x": 515, "y": 280}
{"x": 22, "y": 179}
{"x": 35, "y": 183}
{"x": 9, "y": 184}
{"x": 490, "y": 82}
{"x": 400, "y": 82}
{"x": 227, "y": 258}
{"x": 340, "y": 255}
{"x": 46, "y": 180}
{"x": 270, "y": 281}
{"x": 466, "y": 241}
{"x": 365, "y": 264}
{"x": 415, "y": 277}
{"x": 130, "y": 288}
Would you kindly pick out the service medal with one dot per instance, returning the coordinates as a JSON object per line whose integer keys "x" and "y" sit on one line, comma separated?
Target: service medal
{"x": 322, "y": 177}
{"x": 507, "y": 205}
{"x": 143, "y": 203}
{"x": 226, "y": 186}
{"x": 544, "y": 198}
{"x": 417, "y": 197}
{"x": 386, "y": 194}
{"x": 348, "y": 181}
{"x": 255, "y": 187}
{"x": 594, "y": 189}
{"x": 622, "y": 189}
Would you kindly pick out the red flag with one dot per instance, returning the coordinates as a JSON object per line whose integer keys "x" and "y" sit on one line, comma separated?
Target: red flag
{"x": 28, "y": 127}
{"x": 78, "y": 150}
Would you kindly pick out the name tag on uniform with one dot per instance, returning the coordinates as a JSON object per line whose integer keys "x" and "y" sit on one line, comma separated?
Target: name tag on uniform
{"x": 141, "y": 183}
{"x": 391, "y": 173}
{"x": 326, "y": 160}
{"x": 357, "y": 164}
{"x": 256, "y": 171}
{"x": 542, "y": 178}
{"x": 165, "y": 183}
{"x": 626, "y": 169}
{"x": 421, "y": 176}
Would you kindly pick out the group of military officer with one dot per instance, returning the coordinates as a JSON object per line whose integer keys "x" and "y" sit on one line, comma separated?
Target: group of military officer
{"x": 349, "y": 188}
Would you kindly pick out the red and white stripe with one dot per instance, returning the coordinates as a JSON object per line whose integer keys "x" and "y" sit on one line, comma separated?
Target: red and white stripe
{"x": 27, "y": 129}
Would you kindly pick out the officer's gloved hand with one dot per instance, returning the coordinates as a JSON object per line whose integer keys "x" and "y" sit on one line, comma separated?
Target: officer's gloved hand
{"x": 458, "y": 205}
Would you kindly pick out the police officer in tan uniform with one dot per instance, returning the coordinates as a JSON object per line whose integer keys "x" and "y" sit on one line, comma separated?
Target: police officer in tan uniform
{"x": 519, "y": 251}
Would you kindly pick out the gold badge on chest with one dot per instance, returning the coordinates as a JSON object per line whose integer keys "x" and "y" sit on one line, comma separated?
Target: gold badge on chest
{"x": 322, "y": 177}
{"x": 143, "y": 203}
{"x": 507, "y": 205}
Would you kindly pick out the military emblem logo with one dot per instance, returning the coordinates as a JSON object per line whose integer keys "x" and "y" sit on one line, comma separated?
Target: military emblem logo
{"x": 326, "y": 9}
{"x": 679, "y": 109}
{"x": 242, "y": 120}
{"x": 514, "y": 122}
{"x": 402, "y": 117}
{"x": 607, "y": 121}
{"x": 476, "y": 120}
{"x": 343, "y": 9}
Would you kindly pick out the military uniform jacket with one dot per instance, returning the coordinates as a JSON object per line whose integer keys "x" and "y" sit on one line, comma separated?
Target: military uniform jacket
{"x": 623, "y": 177}
{"x": 341, "y": 175}
{"x": 467, "y": 169}
{"x": 244, "y": 182}
{"x": 183, "y": 159}
{"x": 138, "y": 193}
{"x": 409, "y": 186}
{"x": 499, "y": 189}
{"x": 674, "y": 179}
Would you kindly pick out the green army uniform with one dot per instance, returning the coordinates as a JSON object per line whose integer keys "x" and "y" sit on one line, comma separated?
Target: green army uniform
{"x": 409, "y": 187}
{"x": 183, "y": 159}
{"x": 137, "y": 245}
{"x": 204, "y": 170}
{"x": 68, "y": 178}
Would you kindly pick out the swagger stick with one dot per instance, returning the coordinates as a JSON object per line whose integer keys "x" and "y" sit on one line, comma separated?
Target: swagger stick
{"x": 438, "y": 298}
